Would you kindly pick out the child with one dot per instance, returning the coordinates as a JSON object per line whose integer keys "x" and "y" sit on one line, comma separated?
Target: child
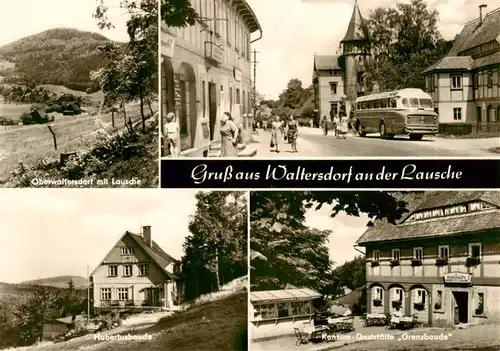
{"x": 344, "y": 127}
{"x": 171, "y": 132}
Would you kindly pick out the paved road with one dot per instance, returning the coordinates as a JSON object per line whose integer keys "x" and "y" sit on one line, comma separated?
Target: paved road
{"x": 401, "y": 146}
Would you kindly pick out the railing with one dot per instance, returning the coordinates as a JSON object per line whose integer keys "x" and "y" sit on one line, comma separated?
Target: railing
{"x": 128, "y": 303}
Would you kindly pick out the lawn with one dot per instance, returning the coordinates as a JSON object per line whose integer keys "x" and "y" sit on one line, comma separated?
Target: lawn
{"x": 28, "y": 143}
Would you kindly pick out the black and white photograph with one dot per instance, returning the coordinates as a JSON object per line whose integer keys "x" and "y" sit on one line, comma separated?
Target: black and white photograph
{"x": 374, "y": 270}
{"x": 79, "y": 93}
{"x": 314, "y": 78}
{"x": 123, "y": 269}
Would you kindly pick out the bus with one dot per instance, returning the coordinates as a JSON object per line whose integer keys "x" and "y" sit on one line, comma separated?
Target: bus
{"x": 406, "y": 111}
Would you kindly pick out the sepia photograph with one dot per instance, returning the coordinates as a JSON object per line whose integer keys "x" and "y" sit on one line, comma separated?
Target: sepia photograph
{"x": 374, "y": 270}
{"x": 314, "y": 78}
{"x": 79, "y": 93}
{"x": 123, "y": 269}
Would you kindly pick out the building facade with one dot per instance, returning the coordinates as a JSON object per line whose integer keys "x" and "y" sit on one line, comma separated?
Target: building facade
{"x": 441, "y": 262}
{"x": 135, "y": 275}
{"x": 465, "y": 85}
{"x": 275, "y": 313}
{"x": 337, "y": 75}
{"x": 206, "y": 71}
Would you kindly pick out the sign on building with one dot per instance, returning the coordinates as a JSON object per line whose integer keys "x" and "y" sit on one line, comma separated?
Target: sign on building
{"x": 457, "y": 278}
{"x": 167, "y": 42}
{"x": 237, "y": 74}
{"x": 214, "y": 52}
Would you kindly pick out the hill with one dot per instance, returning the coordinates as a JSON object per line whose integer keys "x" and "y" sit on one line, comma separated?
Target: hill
{"x": 60, "y": 56}
{"x": 59, "y": 282}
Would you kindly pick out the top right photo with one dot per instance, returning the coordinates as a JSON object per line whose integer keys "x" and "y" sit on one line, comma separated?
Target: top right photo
{"x": 342, "y": 79}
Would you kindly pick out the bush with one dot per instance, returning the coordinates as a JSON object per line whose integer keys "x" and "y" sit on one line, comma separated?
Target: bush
{"x": 416, "y": 263}
{"x": 472, "y": 261}
{"x": 375, "y": 264}
{"x": 397, "y": 304}
{"x": 419, "y": 306}
{"x": 4, "y": 121}
{"x": 442, "y": 261}
{"x": 377, "y": 302}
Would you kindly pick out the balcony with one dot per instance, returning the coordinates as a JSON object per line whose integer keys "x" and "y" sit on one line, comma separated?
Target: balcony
{"x": 128, "y": 305}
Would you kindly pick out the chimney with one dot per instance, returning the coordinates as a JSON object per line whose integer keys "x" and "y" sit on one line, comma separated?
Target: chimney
{"x": 481, "y": 13}
{"x": 146, "y": 235}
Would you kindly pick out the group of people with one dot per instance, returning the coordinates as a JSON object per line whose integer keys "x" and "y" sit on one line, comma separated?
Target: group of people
{"x": 340, "y": 121}
{"x": 286, "y": 130}
{"x": 230, "y": 133}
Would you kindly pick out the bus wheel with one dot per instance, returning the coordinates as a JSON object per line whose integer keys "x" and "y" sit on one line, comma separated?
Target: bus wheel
{"x": 381, "y": 130}
{"x": 416, "y": 136}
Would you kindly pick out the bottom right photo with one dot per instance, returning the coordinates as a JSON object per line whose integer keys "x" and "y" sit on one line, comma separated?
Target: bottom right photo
{"x": 374, "y": 270}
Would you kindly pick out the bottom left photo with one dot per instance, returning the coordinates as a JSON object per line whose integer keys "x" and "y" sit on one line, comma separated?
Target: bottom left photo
{"x": 123, "y": 269}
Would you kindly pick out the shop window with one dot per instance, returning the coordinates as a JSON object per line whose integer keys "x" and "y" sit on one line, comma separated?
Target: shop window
{"x": 301, "y": 308}
{"x": 283, "y": 309}
{"x": 266, "y": 311}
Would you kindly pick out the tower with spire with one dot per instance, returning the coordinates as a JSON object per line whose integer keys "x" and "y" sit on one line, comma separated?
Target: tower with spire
{"x": 355, "y": 49}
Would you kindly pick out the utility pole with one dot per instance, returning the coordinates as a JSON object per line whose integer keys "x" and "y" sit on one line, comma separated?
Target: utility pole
{"x": 255, "y": 62}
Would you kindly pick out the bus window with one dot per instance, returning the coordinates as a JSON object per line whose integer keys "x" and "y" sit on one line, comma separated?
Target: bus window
{"x": 369, "y": 105}
{"x": 405, "y": 102}
{"x": 384, "y": 103}
{"x": 392, "y": 103}
{"x": 426, "y": 103}
{"x": 414, "y": 102}
{"x": 376, "y": 103}
{"x": 358, "y": 106}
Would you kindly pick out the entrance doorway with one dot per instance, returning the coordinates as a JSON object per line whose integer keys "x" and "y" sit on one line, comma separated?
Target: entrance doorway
{"x": 478, "y": 114}
{"x": 212, "y": 108}
{"x": 461, "y": 306}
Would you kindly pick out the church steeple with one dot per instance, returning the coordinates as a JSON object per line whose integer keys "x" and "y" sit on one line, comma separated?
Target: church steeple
{"x": 355, "y": 30}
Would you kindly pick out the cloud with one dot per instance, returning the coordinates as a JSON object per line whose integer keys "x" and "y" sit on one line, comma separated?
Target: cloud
{"x": 61, "y": 231}
{"x": 294, "y": 30}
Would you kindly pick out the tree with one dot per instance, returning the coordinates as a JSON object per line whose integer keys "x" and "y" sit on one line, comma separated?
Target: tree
{"x": 285, "y": 252}
{"x": 216, "y": 249}
{"x": 291, "y": 97}
{"x": 404, "y": 41}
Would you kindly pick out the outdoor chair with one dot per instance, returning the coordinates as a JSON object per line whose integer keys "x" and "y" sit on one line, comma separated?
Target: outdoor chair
{"x": 301, "y": 339}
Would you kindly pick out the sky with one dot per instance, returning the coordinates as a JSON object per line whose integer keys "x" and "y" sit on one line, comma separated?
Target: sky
{"x": 345, "y": 231}
{"x": 294, "y": 30}
{"x": 21, "y": 18}
{"x": 47, "y": 233}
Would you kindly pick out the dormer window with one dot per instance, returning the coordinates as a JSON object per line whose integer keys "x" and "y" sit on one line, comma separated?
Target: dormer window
{"x": 127, "y": 251}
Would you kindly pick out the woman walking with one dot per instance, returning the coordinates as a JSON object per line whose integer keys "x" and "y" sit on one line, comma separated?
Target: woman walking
{"x": 292, "y": 133}
{"x": 171, "y": 133}
{"x": 276, "y": 133}
{"x": 229, "y": 136}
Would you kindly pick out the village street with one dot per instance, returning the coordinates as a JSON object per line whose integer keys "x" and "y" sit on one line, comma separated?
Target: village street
{"x": 313, "y": 143}
{"x": 473, "y": 337}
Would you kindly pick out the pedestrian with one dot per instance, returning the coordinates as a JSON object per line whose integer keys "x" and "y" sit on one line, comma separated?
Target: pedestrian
{"x": 229, "y": 136}
{"x": 276, "y": 133}
{"x": 325, "y": 125}
{"x": 342, "y": 111}
{"x": 292, "y": 133}
{"x": 336, "y": 125}
{"x": 172, "y": 135}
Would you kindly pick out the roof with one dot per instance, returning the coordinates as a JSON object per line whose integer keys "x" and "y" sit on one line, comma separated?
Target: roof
{"x": 441, "y": 226}
{"x": 340, "y": 310}
{"x": 407, "y": 92}
{"x": 350, "y": 299}
{"x": 69, "y": 320}
{"x": 473, "y": 34}
{"x": 451, "y": 63}
{"x": 160, "y": 257}
{"x": 492, "y": 59}
{"x": 248, "y": 15}
{"x": 326, "y": 62}
{"x": 354, "y": 29}
{"x": 284, "y": 295}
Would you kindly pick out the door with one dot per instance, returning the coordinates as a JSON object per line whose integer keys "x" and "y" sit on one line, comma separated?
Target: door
{"x": 212, "y": 108}
{"x": 461, "y": 306}
{"x": 478, "y": 113}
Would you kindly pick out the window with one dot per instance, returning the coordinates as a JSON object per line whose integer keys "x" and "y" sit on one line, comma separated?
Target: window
{"x": 397, "y": 294}
{"x": 392, "y": 103}
{"x": 476, "y": 81}
{"x": 420, "y": 296}
{"x": 127, "y": 250}
{"x": 105, "y": 293}
{"x": 334, "y": 108}
{"x": 360, "y": 77}
{"x": 230, "y": 98}
{"x": 439, "y": 300}
{"x": 127, "y": 270}
{"x": 455, "y": 210}
{"x": 383, "y": 103}
{"x": 443, "y": 251}
{"x": 379, "y": 293}
{"x": 414, "y": 102}
{"x": 122, "y": 293}
{"x": 238, "y": 96}
{"x": 244, "y": 98}
{"x": 405, "y": 102}
{"x": 376, "y": 255}
{"x": 456, "y": 81}
{"x": 426, "y": 103}
{"x": 475, "y": 250}
{"x": 480, "y": 304}
{"x": 266, "y": 311}
{"x": 113, "y": 271}
{"x": 228, "y": 26}
{"x": 300, "y": 308}
{"x": 431, "y": 84}
{"x": 143, "y": 269}
{"x": 333, "y": 88}
{"x": 396, "y": 254}
{"x": 457, "y": 113}
{"x": 216, "y": 15}
{"x": 418, "y": 253}
{"x": 283, "y": 309}
{"x": 489, "y": 79}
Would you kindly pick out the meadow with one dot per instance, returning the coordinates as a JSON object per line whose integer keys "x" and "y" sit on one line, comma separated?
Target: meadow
{"x": 73, "y": 133}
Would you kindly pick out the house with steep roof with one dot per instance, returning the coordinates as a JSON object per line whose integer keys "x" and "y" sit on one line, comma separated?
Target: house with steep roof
{"x": 136, "y": 275}
{"x": 440, "y": 262}
{"x": 275, "y": 313}
{"x": 465, "y": 85}
{"x": 342, "y": 74}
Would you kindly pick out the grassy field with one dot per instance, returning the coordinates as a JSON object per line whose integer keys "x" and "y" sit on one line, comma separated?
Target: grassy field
{"x": 73, "y": 133}
{"x": 14, "y": 111}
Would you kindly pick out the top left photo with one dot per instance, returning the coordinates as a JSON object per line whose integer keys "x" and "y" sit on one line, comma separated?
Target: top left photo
{"x": 79, "y": 93}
